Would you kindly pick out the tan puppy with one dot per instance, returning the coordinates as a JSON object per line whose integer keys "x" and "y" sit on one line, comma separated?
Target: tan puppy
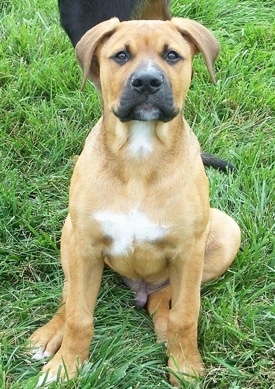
{"x": 139, "y": 195}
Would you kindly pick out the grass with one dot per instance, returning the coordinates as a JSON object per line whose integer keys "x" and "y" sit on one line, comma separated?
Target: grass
{"x": 43, "y": 123}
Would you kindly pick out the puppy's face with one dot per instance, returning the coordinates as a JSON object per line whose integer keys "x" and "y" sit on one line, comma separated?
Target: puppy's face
{"x": 143, "y": 68}
{"x": 145, "y": 71}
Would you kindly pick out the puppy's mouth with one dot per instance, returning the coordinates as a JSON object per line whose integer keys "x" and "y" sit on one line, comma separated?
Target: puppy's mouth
{"x": 145, "y": 110}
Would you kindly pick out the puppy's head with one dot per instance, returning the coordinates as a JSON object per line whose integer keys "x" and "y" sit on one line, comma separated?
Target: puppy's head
{"x": 143, "y": 68}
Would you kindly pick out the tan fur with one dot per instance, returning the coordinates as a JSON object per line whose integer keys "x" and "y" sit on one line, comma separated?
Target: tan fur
{"x": 169, "y": 187}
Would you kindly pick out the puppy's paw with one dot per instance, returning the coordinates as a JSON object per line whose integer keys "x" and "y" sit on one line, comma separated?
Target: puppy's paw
{"x": 58, "y": 369}
{"x": 45, "y": 380}
{"x": 45, "y": 342}
{"x": 39, "y": 353}
{"x": 185, "y": 368}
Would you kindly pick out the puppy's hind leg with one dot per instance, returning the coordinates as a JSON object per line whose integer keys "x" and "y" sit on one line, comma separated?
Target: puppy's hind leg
{"x": 222, "y": 245}
{"x": 158, "y": 307}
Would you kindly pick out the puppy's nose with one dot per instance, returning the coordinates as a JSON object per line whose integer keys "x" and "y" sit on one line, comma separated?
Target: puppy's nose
{"x": 145, "y": 81}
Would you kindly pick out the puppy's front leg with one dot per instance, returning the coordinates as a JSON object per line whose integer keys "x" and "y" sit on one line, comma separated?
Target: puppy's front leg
{"x": 84, "y": 267}
{"x": 185, "y": 279}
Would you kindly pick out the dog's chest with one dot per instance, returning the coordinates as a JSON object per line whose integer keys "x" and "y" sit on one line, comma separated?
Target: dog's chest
{"x": 128, "y": 229}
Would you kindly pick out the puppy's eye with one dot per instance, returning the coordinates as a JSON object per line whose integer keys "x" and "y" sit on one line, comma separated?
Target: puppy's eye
{"x": 121, "y": 57}
{"x": 172, "y": 56}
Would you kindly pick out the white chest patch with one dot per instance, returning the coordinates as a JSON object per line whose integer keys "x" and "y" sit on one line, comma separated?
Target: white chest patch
{"x": 141, "y": 139}
{"x": 125, "y": 229}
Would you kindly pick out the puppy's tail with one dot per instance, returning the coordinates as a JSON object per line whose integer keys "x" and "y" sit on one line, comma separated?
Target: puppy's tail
{"x": 217, "y": 163}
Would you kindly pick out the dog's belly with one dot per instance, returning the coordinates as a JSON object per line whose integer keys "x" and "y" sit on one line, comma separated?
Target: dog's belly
{"x": 134, "y": 249}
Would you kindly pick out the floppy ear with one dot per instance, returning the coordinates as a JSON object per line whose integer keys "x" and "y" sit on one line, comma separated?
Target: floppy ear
{"x": 86, "y": 47}
{"x": 203, "y": 39}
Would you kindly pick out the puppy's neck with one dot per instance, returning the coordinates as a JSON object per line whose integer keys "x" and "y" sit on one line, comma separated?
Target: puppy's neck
{"x": 138, "y": 148}
{"x": 141, "y": 139}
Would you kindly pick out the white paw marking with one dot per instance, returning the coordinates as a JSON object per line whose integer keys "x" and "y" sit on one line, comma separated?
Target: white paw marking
{"x": 39, "y": 353}
{"x": 141, "y": 139}
{"x": 126, "y": 228}
{"x": 45, "y": 379}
